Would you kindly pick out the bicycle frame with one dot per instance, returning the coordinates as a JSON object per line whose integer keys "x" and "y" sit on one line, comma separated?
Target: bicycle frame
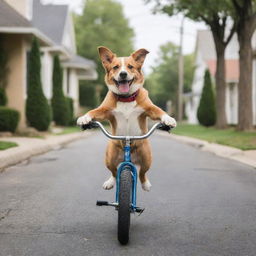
{"x": 127, "y": 163}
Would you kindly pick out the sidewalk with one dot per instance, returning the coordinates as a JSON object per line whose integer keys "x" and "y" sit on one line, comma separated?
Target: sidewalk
{"x": 29, "y": 147}
{"x": 247, "y": 157}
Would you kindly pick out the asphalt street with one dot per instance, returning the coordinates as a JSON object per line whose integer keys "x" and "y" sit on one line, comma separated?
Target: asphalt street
{"x": 199, "y": 205}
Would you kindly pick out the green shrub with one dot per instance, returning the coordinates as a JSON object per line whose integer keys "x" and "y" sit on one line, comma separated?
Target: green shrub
{"x": 9, "y": 119}
{"x": 206, "y": 112}
{"x": 3, "y": 98}
{"x": 87, "y": 96}
{"x": 60, "y": 106}
{"x": 38, "y": 111}
{"x": 70, "y": 103}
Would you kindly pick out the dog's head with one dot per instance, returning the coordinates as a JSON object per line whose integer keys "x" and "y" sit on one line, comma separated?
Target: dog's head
{"x": 123, "y": 74}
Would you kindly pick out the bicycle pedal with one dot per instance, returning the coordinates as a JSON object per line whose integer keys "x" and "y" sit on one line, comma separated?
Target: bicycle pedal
{"x": 102, "y": 203}
{"x": 139, "y": 210}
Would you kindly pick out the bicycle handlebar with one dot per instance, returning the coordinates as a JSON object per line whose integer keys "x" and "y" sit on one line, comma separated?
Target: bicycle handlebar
{"x": 96, "y": 124}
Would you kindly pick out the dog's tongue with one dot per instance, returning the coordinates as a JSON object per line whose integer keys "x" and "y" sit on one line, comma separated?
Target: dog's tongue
{"x": 124, "y": 87}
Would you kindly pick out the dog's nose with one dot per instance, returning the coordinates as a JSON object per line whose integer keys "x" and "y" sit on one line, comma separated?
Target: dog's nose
{"x": 123, "y": 74}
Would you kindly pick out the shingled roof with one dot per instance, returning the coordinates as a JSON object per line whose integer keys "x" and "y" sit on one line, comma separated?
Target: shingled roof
{"x": 50, "y": 19}
{"x": 11, "y": 18}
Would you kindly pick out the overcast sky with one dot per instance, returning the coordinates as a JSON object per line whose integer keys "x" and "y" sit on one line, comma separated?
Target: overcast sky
{"x": 151, "y": 30}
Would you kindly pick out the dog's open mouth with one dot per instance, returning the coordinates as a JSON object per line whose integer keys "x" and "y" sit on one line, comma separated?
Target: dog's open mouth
{"x": 123, "y": 85}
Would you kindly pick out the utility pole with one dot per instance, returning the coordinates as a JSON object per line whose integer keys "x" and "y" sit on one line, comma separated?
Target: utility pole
{"x": 181, "y": 74}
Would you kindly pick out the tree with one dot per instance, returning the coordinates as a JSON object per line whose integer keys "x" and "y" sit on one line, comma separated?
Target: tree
{"x": 103, "y": 23}
{"x": 216, "y": 15}
{"x": 206, "y": 112}
{"x": 60, "y": 107}
{"x": 245, "y": 13}
{"x": 162, "y": 82}
{"x": 3, "y": 73}
{"x": 38, "y": 111}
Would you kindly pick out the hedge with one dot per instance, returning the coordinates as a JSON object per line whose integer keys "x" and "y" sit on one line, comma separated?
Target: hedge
{"x": 9, "y": 119}
{"x": 87, "y": 96}
{"x": 70, "y": 103}
{"x": 38, "y": 111}
{"x": 206, "y": 112}
{"x": 60, "y": 106}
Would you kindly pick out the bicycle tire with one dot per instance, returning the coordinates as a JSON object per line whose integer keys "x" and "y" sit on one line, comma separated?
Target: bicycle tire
{"x": 124, "y": 208}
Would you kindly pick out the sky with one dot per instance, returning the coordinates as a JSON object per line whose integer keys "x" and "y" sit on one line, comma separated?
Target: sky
{"x": 151, "y": 31}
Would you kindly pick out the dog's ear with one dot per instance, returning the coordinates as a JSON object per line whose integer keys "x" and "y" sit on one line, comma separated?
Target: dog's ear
{"x": 140, "y": 55}
{"x": 106, "y": 56}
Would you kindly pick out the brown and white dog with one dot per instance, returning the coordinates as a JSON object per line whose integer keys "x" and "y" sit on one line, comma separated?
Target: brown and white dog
{"x": 126, "y": 106}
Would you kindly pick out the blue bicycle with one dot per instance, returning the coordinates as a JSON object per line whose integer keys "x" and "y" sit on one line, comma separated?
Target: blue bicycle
{"x": 126, "y": 180}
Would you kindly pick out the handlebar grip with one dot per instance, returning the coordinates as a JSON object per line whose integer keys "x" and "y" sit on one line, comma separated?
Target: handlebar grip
{"x": 90, "y": 125}
{"x": 164, "y": 127}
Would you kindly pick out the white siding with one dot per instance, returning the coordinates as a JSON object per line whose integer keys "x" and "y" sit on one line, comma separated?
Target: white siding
{"x": 197, "y": 85}
{"x": 46, "y": 73}
{"x": 68, "y": 39}
{"x": 74, "y": 89}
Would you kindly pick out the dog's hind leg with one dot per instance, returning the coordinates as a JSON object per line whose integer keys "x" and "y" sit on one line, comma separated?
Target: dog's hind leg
{"x": 145, "y": 160}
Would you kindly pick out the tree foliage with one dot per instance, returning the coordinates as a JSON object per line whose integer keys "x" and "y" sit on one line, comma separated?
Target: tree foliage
{"x": 206, "y": 112}
{"x": 103, "y": 23}
{"x": 60, "y": 107}
{"x": 38, "y": 111}
{"x": 163, "y": 80}
{"x": 217, "y": 15}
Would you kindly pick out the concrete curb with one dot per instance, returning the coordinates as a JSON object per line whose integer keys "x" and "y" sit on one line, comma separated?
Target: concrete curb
{"x": 247, "y": 157}
{"x": 29, "y": 147}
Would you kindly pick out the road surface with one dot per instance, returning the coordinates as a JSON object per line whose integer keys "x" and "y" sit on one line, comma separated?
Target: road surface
{"x": 199, "y": 205}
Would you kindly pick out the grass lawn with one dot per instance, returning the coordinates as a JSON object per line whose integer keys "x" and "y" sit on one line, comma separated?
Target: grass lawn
{"x": 70, "y": 129}
{"x": 6, "y": 144}
{"x": 229, "y": 137}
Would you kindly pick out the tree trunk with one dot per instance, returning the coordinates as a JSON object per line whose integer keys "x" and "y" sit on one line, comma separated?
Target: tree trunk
{"x": 245, "y": 113}
{"x": 220, "y": 77}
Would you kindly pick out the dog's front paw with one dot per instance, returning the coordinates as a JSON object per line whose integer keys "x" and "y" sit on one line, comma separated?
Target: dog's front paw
{"x": 84, "y": 119}
{"x": 109, "y": 183}
{"x": 167, "y": 120}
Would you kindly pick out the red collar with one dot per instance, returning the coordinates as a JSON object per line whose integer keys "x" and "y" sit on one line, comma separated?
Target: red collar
{"x": 129, "y": 98}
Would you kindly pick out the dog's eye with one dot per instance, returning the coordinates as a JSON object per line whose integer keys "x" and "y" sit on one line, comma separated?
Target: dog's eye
{"x": 116, "y": 67}
{"x": 130, "y": 66}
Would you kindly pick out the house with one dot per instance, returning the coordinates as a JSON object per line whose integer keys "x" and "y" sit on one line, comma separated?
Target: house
{"x": 205, "y": 58}
{"x": 60, "y": 29}
{"x": 22, "y": 20}
{"x": 16, "y": 33}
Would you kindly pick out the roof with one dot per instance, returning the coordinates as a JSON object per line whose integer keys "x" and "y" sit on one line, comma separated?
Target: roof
{"x": 9, "y": 17}
{"x": 12, "y": 22}
{"x": 55, "y": 15}
{"x": 79, "y": 62}
{"x": 232, "y": 69}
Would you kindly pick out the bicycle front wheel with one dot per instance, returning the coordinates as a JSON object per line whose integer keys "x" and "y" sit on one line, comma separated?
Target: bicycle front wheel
{"x": 124, "y": 208}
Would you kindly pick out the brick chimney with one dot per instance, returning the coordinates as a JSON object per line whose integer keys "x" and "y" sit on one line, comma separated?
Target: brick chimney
{"x": 24, "y": 7}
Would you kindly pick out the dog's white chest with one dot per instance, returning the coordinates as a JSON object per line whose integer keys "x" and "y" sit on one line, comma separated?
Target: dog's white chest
{"x": 126, "y": 114}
